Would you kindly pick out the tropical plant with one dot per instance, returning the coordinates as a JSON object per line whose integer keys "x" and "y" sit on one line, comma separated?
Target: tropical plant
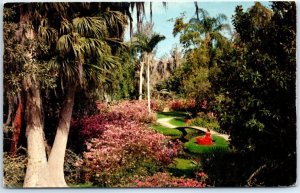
{"x": 145, "y": 44}
{"x": 79, "y": 53}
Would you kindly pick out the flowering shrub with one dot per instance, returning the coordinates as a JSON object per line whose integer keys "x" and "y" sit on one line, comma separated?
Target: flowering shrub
{"x": 117, "y": 147}
{"x": 166, "y": 180}
{"x": 182, "y": 105}
{"x": 157, "y": 105}
{"x": 102, "y": 106}
{"x": 134, "y": 110}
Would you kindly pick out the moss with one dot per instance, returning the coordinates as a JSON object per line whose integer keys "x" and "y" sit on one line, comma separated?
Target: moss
{"x": 166, "y": 131}
{"x": 220, "y": 144}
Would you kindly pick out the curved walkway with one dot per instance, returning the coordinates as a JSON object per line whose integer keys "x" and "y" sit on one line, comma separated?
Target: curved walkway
{"x": 166, "y": 122}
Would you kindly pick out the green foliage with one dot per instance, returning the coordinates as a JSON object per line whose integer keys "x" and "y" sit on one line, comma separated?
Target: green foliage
{"x": 206, "y": 121}
{"x": 14, "y": 169}
{"x": 259, "y": 76}
{"x": 219, "y": 145}
{"x": 71, "y": 171}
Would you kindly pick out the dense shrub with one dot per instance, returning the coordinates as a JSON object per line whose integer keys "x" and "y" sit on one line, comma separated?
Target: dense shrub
{"x": 164, "y": 179}
{"x": 134, "y": 110}
{"x": 118, "y": 148}
{"x": 14, "y": 168}
{"x": 206, "y": 120}
{"x": 71, "y": 170}
{"x": 182, "y": 105}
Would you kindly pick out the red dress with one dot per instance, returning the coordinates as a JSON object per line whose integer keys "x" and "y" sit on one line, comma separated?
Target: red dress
{"x": 206, "y": 140}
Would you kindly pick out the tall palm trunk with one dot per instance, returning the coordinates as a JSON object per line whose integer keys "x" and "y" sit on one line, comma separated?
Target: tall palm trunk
{"x": 36, "y": 173}
{"x": 57, "y": 155}
{"x": 148, "y": 81}
{"x": 141, "y": 81}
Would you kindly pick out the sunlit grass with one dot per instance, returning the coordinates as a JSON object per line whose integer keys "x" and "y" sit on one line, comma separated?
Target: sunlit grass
{"x": 166, "y": 131}
{"x": 220, "y": 144}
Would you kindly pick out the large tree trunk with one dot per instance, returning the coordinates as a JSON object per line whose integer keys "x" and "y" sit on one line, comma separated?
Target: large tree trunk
{"x": 36, "y": 174}
{"x": 148, "y": 82}
{"x": 57, "y": 155}
{"x": 141, "y": 81}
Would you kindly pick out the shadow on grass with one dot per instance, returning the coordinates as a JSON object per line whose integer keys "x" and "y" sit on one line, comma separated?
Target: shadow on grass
{"x": 183, "y": 167}
{"x": 173, "y": 114}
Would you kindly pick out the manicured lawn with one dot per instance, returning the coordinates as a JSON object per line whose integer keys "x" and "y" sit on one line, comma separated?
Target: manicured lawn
{"x": 166, "y": 131}
{"x": 172, "y": 114}
{"x": 182, "y": 167}
{"x": 220, "y": 144}
{"x": 179, "y": 122}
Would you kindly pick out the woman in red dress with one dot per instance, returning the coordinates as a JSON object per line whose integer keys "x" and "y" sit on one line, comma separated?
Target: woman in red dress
{"x": 206, "y": 140}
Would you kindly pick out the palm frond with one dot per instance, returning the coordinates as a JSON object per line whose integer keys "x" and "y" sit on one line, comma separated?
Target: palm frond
{"x": 64, "y": 44}
{"x": 155, "y": 39}
{"x": 90, "y": 27}
{"x": 46, "y": 33}
{"x": 65, "y": 26}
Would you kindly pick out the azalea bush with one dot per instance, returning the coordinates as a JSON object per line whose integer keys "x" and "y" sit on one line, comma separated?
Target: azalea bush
{"x": 134, "y": 110}
{"x": 117, "y": 147}
{"x": 182, "y": 105}
{"x": 163, "y": 179}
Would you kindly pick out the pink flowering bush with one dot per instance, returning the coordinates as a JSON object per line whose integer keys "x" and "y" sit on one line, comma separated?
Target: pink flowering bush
{"x": 166, "y": 180}
{"x": 117, "y": 147}
{"x": 134, "y": 110}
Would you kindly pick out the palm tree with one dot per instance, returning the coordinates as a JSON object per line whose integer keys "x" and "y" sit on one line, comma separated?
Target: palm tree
{"x": 211, "y": 28}
{"x": 146, "y": 44}
{"x": 82, "y": 55}
{"x": 203, "y": 30}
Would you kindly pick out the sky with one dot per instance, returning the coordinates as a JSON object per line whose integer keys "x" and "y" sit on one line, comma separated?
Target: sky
{"x": 161, "y": 15}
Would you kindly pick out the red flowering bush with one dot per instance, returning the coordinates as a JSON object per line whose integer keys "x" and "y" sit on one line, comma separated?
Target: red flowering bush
{"x": 157, "y": 105}
{"x": 166, "y": 180}
{"x": 134, "y": 110}
{"x": 182, "y": 105}
{"x": 117, "y": 145}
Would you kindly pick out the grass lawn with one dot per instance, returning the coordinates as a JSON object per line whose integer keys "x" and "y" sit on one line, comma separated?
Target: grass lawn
{"x": 172, "y": 114}
{"x": 220, "y": 144}
{"x": 166, "y": 131}
{"x": 178, "y": 122}
{"x": 183, "y": 167}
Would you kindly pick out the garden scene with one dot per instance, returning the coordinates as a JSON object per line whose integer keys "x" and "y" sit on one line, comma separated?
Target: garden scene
{"x": 149, "y": 94}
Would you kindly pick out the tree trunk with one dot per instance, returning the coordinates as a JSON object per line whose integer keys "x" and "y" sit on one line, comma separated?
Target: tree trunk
{"x": 148, "y": 82}
{"x": 57, "y": 155}
{"x": 141, "y": 81}
{"x": 36, "y": 174}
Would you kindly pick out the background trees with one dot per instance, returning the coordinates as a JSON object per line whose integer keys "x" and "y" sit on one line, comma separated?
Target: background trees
{"x": 145, "y": 41}
{"x": 204, "y": 42}
{"x": 258, "y": 76}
